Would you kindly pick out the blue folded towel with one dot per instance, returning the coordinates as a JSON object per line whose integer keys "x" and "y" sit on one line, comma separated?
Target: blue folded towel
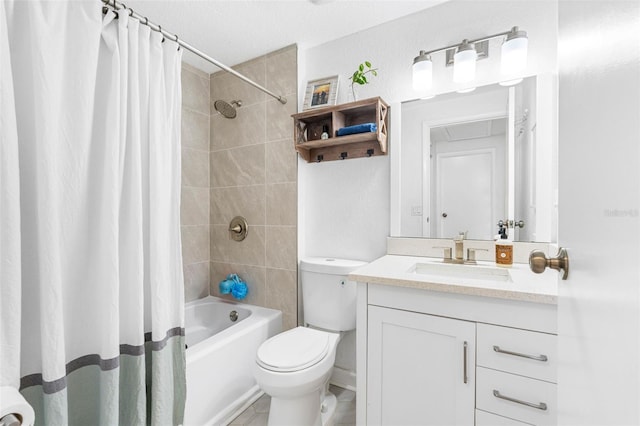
{"x": 358, "y": 128}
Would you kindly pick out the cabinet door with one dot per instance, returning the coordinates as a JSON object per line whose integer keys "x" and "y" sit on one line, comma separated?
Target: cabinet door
{"x": 417, "y": 365}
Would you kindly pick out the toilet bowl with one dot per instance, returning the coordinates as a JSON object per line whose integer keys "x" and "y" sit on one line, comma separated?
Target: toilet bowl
{"x": 294, "y": 367}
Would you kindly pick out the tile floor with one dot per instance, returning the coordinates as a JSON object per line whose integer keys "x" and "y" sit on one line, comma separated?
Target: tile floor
{"x": 257, "y": 413}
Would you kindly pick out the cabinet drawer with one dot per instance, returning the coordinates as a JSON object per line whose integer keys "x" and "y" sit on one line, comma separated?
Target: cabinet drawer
{"x": 527, "y": 353}
{"x": 520, "y": 398}
{"x": 489, "y": 419}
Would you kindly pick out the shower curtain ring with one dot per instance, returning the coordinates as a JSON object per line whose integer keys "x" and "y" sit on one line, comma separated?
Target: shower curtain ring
{"x": 176, "y": 40}
{"x": 130, "y": 12}
{"x": 146, "y": 20}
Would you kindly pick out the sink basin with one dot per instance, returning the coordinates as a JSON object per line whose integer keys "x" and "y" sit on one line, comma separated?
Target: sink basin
{"x": 453, "y": 270}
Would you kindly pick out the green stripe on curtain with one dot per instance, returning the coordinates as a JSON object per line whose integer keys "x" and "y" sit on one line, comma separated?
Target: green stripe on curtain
{"x": 141, "y": 386}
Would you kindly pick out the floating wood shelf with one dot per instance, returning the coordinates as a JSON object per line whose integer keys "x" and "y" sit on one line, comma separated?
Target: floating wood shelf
{"x": 308, "y": 127}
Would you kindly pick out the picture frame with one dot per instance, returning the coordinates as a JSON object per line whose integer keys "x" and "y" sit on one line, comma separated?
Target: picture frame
{"x": 321, "y": 93}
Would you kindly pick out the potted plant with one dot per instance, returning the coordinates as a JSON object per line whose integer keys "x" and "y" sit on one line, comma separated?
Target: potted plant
{"x": 360, "y": 76}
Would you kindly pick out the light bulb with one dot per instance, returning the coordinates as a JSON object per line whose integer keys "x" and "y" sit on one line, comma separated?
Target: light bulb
{"x": 514, "y": 52}
{"x": 464, "y": 63}
{"x": 422, "y": 72}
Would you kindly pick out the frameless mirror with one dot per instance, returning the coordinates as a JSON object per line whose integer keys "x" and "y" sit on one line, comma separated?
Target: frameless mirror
{"x": 468, "y": 161}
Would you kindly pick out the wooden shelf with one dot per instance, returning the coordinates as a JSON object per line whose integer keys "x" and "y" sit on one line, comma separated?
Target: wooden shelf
{"x": 308, "y": 127}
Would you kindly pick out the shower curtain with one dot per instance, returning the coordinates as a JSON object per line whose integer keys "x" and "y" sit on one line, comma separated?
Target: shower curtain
{"x": 92, "y": 320}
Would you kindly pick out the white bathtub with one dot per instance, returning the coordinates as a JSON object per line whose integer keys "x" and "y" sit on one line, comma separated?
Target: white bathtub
{"x": 220, "y": 357}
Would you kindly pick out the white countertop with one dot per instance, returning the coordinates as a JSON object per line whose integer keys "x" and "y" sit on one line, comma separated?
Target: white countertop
{"x": 524, "y": 285}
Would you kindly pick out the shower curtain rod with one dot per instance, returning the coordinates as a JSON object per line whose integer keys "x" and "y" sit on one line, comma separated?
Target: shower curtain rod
{"x": 117, "y": 5}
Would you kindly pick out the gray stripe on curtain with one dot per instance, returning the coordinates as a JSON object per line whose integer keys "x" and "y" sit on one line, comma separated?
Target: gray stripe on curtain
{"x": 95, "y": 359}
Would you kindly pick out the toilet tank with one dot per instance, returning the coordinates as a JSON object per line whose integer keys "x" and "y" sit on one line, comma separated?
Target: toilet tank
{"x": 328, "y": 298}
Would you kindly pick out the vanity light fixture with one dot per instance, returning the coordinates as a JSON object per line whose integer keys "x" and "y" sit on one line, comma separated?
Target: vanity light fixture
{"x": 422, "y": 71}
{"x": 513, "y": 58}
{"x": 464, "y": 62}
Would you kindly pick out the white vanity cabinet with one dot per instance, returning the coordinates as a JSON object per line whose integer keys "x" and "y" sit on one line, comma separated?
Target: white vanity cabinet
{"x": 419, "y": 367}
{"x": 427, "y": 357}
{"x": 516, "y": 374}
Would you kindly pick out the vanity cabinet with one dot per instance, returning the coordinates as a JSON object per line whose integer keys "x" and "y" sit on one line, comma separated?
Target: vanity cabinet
{"x": 411, "y": 344}
{"x": 308, "y": 127}
{"x": 516, "y": 374}
{"x": 420, "y": 367}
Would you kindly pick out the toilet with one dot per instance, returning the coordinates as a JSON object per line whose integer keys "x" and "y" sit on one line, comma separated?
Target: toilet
{"x": 294, "y": 367}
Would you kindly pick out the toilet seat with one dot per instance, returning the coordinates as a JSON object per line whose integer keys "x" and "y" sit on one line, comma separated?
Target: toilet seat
{"x": 293, "y": 350}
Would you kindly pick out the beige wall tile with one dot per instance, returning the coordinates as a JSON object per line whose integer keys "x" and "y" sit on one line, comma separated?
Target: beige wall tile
{"x": 250, "y": 251}
{"x": 247, "y": 128}
{"x": 238, "y": 166}
{"x": 220, "y": 243}
{"x": 289, "y": 321}
{"x": 196, "y": 281}
{"x": 197, "y": 71}
{"x": 195, "y": 244}
{"x": 281, "y": 247}
{"x": 245, "y": 152}
{"x": 228, "y": 87}
{"x": 279, "y": 121}
{"x": 195, "y": 92}
{"x": 194, "y": 206}
{"x": 254, "y": 276}
{"x": 246, "y": 201}
{"x": 281, "y": 291}
{"x": 195, "y": 168}
{"x": 282, "y": 71}
{"x": 194, "y": 130}
{"x": 282, "y": 163}
{"x": 282, "y": 204}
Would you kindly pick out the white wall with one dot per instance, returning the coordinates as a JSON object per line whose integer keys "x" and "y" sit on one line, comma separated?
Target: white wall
{"x": 344, "y": 205}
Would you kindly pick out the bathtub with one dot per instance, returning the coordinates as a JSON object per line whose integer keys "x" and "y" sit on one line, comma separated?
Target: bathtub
{"x": 220, "y": 356}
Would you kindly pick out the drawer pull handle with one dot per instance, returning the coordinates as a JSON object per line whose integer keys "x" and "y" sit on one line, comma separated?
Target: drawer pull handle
{"x": 542, "y": 358}
{"x": 541, "y": 406}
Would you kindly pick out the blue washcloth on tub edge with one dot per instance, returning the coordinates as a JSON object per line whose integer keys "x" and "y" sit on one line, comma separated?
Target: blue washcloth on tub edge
{"x": 358, "y": 128}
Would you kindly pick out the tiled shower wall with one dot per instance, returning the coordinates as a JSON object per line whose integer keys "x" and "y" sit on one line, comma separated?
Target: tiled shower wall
{"x": 194, "y": 210}
{"x": 253, "y": 173}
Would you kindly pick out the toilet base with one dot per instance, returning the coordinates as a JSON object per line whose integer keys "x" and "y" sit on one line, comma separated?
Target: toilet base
{"x": 328, "y": 411}
{"x": 303, "y": 411}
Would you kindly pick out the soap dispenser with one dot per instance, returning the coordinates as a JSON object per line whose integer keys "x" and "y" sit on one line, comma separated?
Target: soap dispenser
{"x": 504, "y": 248}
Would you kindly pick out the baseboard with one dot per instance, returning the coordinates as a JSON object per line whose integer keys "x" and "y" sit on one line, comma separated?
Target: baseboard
{"x": 245, "y": 401}
{"x": 343, "y": 378}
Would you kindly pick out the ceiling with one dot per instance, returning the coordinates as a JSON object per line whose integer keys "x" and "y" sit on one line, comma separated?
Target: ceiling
{"x": 234, "y": 31}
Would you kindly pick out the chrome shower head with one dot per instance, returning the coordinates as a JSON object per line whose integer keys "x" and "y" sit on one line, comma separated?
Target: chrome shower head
{"x": 227, "y": 108}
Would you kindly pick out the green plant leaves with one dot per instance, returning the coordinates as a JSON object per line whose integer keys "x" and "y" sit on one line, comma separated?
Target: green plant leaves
{"x": 359, "y": 76}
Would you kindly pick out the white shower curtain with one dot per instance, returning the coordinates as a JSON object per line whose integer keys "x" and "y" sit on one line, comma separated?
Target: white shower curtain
{"x": 92, "y": 288}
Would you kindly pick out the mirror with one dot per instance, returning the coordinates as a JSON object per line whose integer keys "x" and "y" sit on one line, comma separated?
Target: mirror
{"x": 468, "y": 161}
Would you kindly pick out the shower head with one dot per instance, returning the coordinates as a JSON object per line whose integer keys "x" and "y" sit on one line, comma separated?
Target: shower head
{"x": 227, "y": 108}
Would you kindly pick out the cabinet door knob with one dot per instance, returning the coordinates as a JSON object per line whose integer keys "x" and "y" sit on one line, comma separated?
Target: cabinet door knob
{"x": 444, "y": 214}
{"x": 538, "y": 261}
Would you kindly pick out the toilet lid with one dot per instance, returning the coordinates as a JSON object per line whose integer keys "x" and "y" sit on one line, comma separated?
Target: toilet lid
{"x": 293, "y": 350}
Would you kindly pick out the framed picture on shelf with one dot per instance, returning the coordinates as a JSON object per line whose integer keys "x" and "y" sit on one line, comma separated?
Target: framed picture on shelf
{"x": 320, "y": 93}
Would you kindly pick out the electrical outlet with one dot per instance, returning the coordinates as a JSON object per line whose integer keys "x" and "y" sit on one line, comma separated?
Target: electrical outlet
{"x": 416, "y": 210}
